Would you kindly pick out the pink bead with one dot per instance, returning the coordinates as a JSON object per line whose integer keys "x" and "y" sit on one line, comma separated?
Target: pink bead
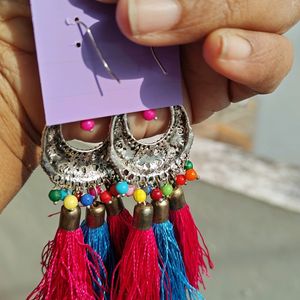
{"x": 131, "y": 190}
{"x": 94, "y": 191}
{"x": 87, "y": 125}
{"x": 150, "y": 114}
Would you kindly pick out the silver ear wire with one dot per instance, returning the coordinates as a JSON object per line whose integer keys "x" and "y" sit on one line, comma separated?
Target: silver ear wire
{"x": 97, "y": 49}
{"x": 164, "y": 71}
{"x": 100, "y": 53}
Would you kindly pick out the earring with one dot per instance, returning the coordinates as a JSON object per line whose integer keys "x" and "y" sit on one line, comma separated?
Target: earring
{"x": 156, "y": 169}
{"x": 73, "y": 269}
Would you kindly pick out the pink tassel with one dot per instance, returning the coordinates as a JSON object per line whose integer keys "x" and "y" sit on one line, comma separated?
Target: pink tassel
{"x": 186, "y": 231}
{"x": 69, "y": 274}
{"x": 119, "y": 222}
{"x": 138, "y": 273}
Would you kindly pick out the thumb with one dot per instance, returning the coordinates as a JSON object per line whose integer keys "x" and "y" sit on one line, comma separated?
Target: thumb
{"x": 173, "y": 22}
{"x": 256, "y": 60}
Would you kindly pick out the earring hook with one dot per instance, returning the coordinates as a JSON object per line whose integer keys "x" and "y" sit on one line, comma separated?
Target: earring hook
{"x": 101, "y": 56}
{"x": 98, "y": 50}
{"x": 164, "y": 71}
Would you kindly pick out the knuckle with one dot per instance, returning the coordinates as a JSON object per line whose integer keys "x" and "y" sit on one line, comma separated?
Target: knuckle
{"x": 272, "y": 63}
{"x": 233, "y": 10}
{"x": 269, "y": 81}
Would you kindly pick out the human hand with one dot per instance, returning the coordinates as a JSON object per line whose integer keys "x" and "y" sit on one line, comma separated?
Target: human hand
{"x": 233, "y": 49}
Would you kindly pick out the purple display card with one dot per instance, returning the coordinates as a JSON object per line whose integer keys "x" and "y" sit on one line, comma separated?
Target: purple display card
{"x": 75, "y": 84}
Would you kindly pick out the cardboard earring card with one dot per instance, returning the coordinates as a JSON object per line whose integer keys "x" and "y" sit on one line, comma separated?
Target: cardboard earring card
{"x": 76, "y": 86}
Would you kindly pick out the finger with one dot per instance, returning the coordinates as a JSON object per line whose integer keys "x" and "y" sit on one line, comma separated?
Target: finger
{"x": 256, "y": 60}
{"x": 207, "y": 90}
{"x": 166, "y": 22}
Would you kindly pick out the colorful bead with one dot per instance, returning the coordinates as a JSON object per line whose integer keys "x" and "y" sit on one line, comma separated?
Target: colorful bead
{"x": 156, "y": 194}
{"x": 191, "y": 175}
{"x": 87, "y": 125}
{"x": 95, "y": 191}
{"x": 78, "y": 194}
{"x": 87, "y": 199}
{"x": 131, "y": 190}
{"x": 70, "y": 202}
{"x": 64, "y": 193}
{"x": 139, "y": 196}
{"x": 188, "y": 165}
{"x": 113, "y": 191}
{"x": 150, "y": 115}
{"x": 122, "y": 187}
{"x": 180, "y": 179}
{"x": 148, "y": 189}
{"x": 105, "y": 197}
{"x": 55, "y": 195}
{"x": 167, "y": 189}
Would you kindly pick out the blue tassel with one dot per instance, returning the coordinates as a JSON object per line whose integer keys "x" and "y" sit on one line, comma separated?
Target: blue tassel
{"x": 172, "y": 267}
{"x": 99, "y": 239}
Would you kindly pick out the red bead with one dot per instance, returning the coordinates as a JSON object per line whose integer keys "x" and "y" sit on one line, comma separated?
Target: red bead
{"x": 180, "y": 179}
{"x": 156, "y": 194}
{"x": 149, "y": 115}
{"x": 95, "y": 191}
{"x": 105, "y": 197}
{"x": 87, "y": 125}
{"x": 78, "y": 195}
{"x": 113, "y": 190}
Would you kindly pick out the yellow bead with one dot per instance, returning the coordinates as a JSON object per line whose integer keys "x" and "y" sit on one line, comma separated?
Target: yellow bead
{"x": 70, "y": 202}
{"x": 139, "y": 195}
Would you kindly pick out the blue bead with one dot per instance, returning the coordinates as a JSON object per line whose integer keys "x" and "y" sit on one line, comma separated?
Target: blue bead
{"x": 64, "y": 193}
{"x": 122, "y": 187}
{"x": 147, "y": 189}
{"x": 87, "y": 199}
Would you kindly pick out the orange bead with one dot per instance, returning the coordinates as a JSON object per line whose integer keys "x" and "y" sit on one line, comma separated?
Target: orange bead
{"x": 191, "y": 175}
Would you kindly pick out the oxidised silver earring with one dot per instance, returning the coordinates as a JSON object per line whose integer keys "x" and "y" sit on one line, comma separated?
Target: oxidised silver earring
{"x": 76, "y": 173}
{"x": 73, "y": 265}
{"x": 155, "y": 164}
{"x": 159, "y": 170}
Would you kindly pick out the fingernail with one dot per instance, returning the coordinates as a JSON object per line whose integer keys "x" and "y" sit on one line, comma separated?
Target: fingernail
{"x": 235, "y": 47}
{"x": 149, "y": 16}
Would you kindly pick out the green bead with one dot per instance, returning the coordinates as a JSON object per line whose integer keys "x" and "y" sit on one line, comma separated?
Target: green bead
{"x": 55, "y": 195}
{"x": 167, "y": 189}
{"x": 188, "y": 165}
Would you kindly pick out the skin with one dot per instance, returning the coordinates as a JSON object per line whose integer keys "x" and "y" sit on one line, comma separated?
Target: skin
{"x": 211, "y": 81}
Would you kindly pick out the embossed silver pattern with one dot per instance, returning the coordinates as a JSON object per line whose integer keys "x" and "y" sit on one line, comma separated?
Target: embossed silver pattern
{"x": 68, "y": 166}
{"x": 149, "y": 163}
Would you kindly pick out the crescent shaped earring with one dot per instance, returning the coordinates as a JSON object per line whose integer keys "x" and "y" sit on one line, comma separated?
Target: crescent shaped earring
{"x": 72, "y": 267}
{"x": 157, "y": 171}
{"x": 75, "y": 172}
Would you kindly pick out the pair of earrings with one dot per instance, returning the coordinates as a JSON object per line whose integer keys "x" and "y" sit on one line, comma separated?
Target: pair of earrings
{"x": 119, "y": 166}
{"x": 158, "y": 253}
